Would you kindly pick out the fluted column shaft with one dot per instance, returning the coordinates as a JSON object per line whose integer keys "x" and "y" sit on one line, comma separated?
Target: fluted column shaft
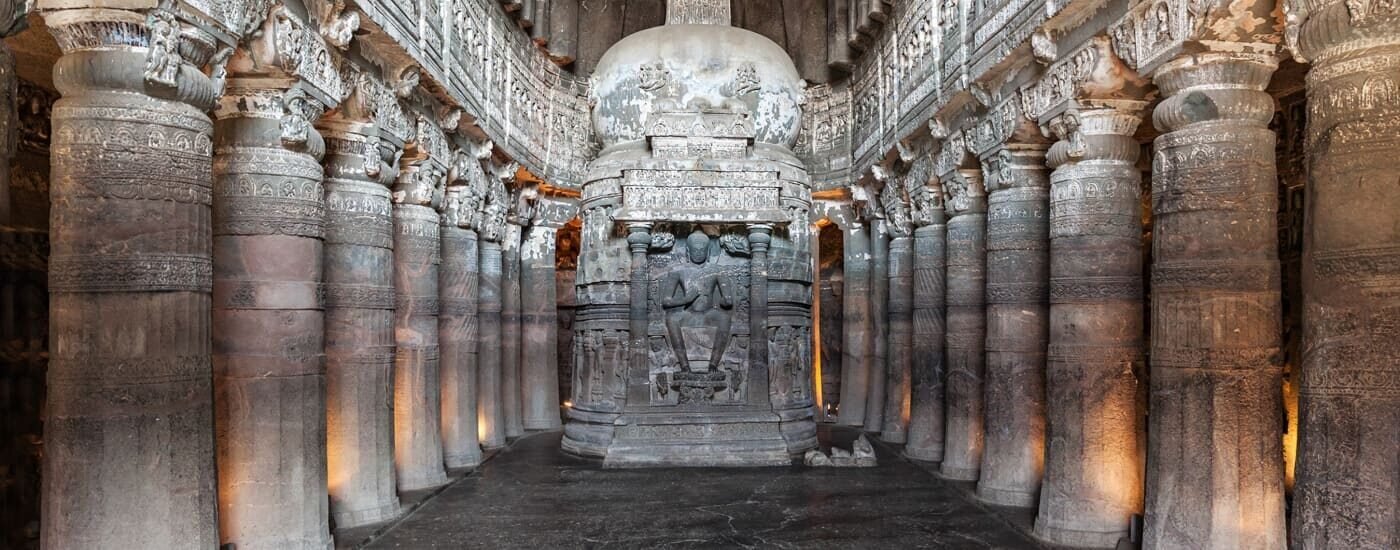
{"x": 540, "y": 322}
{"x": 512, "y": 390}
{"x": 417, "y": 398}
{"x": 966, "y": 329}
{"x": 926, "y": 416}
{"x": 359, "y": 319}
{"x": 879, "y": 325}
{"x": 268, "y": 324}
{"x": 1215, "y": 477}
{"x": 128, "y": 427}
{"x": 1094, "y": 461}
{"x": 457, "y": 330}
{"x": 901, "y": 328}
{"x": 1345, "y": 493}
{"x": 1018, "y": 312}
{"x": 856, "y": 330}
{"x": 490, "y": 413}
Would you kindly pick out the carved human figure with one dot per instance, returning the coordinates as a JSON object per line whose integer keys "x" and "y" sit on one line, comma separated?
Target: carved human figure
{"x": 697, "y": 296}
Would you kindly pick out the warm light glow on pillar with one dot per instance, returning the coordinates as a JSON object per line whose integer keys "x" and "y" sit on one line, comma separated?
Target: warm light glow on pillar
{"x": 1290, "y": 431}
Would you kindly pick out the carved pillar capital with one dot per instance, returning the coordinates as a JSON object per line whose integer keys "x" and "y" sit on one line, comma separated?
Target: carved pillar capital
{"x": 553, "y": 212}
{"x": 965, "y": 192}
{"x": 1322, "y": 29}
{"x": 158, "y": 51}
{"x": 1099, "y": 130}
{"x": 1214, "y": 86}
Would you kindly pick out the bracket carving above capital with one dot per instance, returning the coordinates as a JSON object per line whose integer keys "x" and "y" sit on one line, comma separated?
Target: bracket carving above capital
{"x": 1155, "y": 31}
{"x": 965, "y": 192}
{"x": 1000, "y": 125}
{"x": 285, "y": 45}
{"x": 951, "y": 156}
{"x": 1091, "y": 72}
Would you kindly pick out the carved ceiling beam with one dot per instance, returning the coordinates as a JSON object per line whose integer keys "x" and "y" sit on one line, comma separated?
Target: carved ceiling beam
{"x": 1156, "y": 31}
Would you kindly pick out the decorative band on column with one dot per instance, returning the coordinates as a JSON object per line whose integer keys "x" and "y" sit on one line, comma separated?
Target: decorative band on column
{"x": 130, "y": 273}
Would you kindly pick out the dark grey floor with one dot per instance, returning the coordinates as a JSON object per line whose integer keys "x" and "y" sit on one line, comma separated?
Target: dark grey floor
{"x": 532, "y": 496}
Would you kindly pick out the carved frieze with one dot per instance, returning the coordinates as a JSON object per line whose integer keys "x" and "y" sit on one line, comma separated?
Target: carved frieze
{"x": 701, "y": 196}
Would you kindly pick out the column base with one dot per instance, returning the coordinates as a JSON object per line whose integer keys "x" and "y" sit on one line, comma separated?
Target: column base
{"x": 1007, "y": 497}
{"x": 359, "y": 518}
{"x": 1064, "y": 536}
{"x": 432, "y": 482}
{"x": 958, "y": 474}
{"x": 931, "y": 454}
{"x": 462, "y": 461}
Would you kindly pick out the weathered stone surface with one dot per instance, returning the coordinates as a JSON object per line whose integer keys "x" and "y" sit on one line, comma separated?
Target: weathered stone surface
{"x": 359, "y": 319}
{"x": 512, "y": 391}
{"x": 1094, "y": 457}
{"x": 1346, "y": 493}
{"x": 855, "y": 324}
{"x": 488, "y": 348}
{"x": 540, "y": 316}
{"x": 879, "y": 325}
{"x": 1018, "y": 270}
{"x": 268, "y": 327}
{"x": 417, "y": 257}
{"x": 459, "y": 277}
{"x": 128, "y": 440}
{"x": 966, "y": 323}
{"x": 926, "y": 416}
{"x": 1215, "y": 440}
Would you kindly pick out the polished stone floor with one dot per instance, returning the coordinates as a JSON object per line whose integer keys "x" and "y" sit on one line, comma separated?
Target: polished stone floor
{"x": 532, "y": 496}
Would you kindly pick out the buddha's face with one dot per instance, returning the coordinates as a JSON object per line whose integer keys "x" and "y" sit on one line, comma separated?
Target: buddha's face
{"x": 697, "y": 245}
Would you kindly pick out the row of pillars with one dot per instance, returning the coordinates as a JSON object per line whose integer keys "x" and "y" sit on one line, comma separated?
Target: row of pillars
{"x": 1031, "y": 373}
{"x": 253, "y": 337}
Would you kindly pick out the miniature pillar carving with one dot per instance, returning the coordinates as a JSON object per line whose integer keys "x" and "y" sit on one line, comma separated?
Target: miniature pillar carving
{"x": 967, "y": 323}
{"x": 1216, "y": 468}
{"x": 1345, "y": 493}
{"x": 1094, "y": 460}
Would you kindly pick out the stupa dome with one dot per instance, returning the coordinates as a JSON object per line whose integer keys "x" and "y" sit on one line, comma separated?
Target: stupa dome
{"x": 696, "y": 68}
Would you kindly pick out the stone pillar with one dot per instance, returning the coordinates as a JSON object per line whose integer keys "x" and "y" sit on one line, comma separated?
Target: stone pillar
{"x": 879, "y": 325}
{"x": 1093, "y": 470}
{"x": 760, "y": 237}
{"x": 926, "y": 409}
{"x": 638, "y": 240}
{"x": 268, "y": 324}
{"x": 540, "y": 320}
{"x": 1215, "y": 479}
{"x": 128, "y": 428}
{"x": 900, "y": 314}
{"x": 855, "y": 321}
{"x": 1018, "y": 311}
{"x": 457, "y": 320}
{"x": 490, "y": 415}
{"x": 359, "y": 318}
{"x": 967, "y": 323}
{"x": 417, "y": 257}
{"x": 1345, "y": 492}
{"x": 511, "y": 337}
